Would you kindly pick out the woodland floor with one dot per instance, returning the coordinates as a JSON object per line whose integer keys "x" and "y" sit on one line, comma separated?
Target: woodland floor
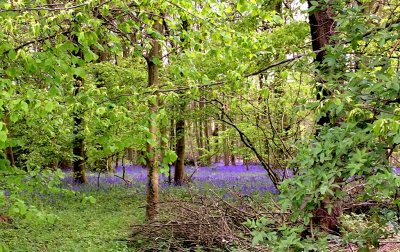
{"x": 102, "y": 226}
{"x": 106, "y": 224}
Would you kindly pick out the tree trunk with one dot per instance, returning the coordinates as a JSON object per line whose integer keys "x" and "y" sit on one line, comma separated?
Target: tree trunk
{"x": 199, "y": 137}
{"x": 116, "y": 162}
{"x": 153, "y": 81}
{"x": 78, "y": 143}
{"x": 201, "y": 144}
{"x": 233, "y": 159}
{"x": 322, "y": 28}
{"x": 215, "y": 135}
{"x": 207, "y": 140}
{"x": 171, "y": 146}
{"x": 225, "y": 147}
{"x": 180, "y": 152}
{"x": 130, "y": 154}
{"x": 78, "y": 149}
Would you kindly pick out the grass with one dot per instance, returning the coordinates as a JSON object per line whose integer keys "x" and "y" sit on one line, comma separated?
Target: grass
{"x": 102, "y": 226}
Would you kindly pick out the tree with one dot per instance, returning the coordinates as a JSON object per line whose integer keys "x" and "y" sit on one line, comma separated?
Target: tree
{"x": 153, "y": 62}
{"x": 79, "y": 141}
{"x": 349, "y": 148}
{"x": 322, "y": 27}
{"x": 180, "y": 151}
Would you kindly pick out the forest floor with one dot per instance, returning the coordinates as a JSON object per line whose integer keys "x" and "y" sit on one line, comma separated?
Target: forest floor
{"x": 99, "y": 217}
{"x": 100, "y": 226}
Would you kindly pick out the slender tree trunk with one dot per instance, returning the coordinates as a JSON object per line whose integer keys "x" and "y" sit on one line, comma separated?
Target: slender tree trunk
{"x": 79, "y": 149}
{"x": 171, "y": 146}
{"x": 123, "y": 166}
{"x": 180, "y": 152}
{"x": 130, "y": 154}
{"x": 233, "y": 158}
{"x": 109, "y": 162}
{"x": 79, "y": 143}
{"x": 116, "y": 162}
{"x": 153, "y": 81}
{"x": 215, "y": 134}
{"x": 199, "y": 134}
{"x": 207, "y": 139}
{"x": 199, "y": 137}
{"x": 225, "y": 147}
{"x": 190, "y": 134}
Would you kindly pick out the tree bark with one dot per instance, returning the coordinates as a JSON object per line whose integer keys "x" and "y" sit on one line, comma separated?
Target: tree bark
{"x": 153, "y": 81}
{"x": 79, "y": 150}
{"x": 233, "y": 158}
{"x": 180, "y": 152}
{"x": 322, "y": 28}
{"x": 78, "y": 142}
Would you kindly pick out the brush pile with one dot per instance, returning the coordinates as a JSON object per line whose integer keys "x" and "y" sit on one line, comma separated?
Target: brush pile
{"x": 209, "y": 223}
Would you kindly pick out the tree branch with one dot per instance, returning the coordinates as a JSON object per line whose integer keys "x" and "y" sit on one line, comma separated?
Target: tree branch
{"x": 35, "y": 41}
{"x": 47, "y": 8}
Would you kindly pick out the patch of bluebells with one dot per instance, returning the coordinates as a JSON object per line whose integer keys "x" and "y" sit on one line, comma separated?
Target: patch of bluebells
{"x": 228, "y": 178}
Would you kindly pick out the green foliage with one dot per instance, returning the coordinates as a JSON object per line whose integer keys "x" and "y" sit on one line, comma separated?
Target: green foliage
{"x": 353, "y": 146}
{"x": 284, "y": 238}
{"x": 87, "y": 60}
{"x": 363, "y": 231}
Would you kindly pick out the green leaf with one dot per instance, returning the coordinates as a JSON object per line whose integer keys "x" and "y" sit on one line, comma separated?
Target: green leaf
{"x": 12, "y": 54}
{"x": 79, "y": 71}
{"x": 3, "y": 136}
{"x": 48, "y": 107}
{"x": 277, "y": 19}
{"x": 156, "y": 60}
{"x": 24, "y": 106}
{"x": 14, "y": 117}
{"x": 396, "y": 139}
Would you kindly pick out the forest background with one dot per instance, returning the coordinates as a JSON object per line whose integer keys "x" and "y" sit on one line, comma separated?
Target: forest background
{"x": 308, "y": 90}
